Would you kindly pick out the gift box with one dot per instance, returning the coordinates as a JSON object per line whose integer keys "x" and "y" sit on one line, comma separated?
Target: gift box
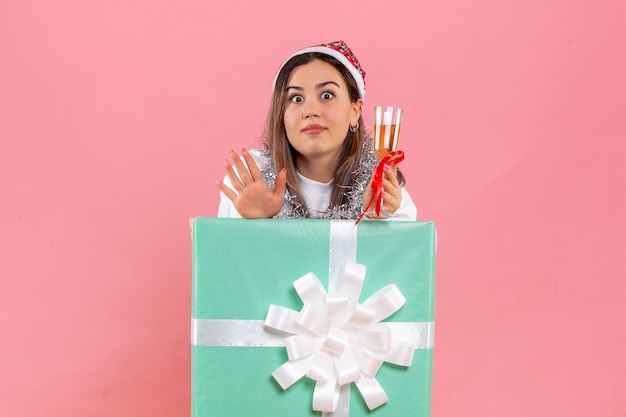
{"x": 242, "y": 267}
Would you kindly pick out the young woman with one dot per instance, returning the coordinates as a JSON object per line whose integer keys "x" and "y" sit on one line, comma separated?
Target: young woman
{"x": 317, "y": 160}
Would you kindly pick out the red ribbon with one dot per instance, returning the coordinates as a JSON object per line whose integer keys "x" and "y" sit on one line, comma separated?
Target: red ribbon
{"x": 392, "y": 158}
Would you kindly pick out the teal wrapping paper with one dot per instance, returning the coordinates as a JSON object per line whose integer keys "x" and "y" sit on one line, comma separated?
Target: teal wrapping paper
{"x": 242, "y": 266}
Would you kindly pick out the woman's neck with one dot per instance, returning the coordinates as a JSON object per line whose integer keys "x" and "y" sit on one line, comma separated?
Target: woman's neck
{"x": 317, "y": 169}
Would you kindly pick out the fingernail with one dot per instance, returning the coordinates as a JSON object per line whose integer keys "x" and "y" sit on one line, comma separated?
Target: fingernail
{"x": 387, "y": 166}
{"x": 243, "y": 150}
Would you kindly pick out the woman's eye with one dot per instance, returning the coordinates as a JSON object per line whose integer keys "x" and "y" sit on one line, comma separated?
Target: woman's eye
{"x": 296, "y": 99}
{"x": 327, "y": 95}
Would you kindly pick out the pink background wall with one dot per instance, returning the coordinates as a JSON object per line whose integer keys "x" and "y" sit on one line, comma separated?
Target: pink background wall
{"x": 115, "y": 118}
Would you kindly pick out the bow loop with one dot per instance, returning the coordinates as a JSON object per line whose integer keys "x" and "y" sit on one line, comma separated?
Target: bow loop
{"x": 385, "y": 301}
{"x": 301, "y": 346}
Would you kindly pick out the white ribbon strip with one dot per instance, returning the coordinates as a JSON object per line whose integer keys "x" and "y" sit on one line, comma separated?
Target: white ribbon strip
{"x": 209, "y": 332}
{"x": 205, "y": 332}
{"x": 343, "y": 241}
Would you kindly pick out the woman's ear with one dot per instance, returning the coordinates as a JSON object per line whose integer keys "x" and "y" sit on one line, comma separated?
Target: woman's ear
{"x": 357, "y": 111}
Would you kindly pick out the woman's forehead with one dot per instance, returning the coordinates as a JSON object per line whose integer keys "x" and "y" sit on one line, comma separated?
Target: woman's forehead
{"x": 313, "y": 74}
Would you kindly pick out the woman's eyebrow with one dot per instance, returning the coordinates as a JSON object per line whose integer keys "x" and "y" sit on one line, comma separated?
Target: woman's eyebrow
{"x": 324, "y": 84}
{"x": 317, "y": 86}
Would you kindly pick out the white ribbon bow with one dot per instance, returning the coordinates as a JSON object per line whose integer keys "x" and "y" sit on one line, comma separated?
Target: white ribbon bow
{"x": 338, "y": 341}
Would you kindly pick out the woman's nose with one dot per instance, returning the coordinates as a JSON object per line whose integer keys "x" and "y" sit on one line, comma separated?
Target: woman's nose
{"x": 310, "y": 109}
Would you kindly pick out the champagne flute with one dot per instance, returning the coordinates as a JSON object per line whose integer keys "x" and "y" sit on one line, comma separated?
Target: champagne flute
{"x": 386, "y": 130}
{"x": 387, "y": 122}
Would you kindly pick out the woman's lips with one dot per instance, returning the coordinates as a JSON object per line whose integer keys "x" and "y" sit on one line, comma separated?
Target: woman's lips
{"x": 313, "y": 129}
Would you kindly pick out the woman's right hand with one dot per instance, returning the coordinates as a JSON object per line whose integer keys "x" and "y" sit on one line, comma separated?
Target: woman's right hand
{"x": 250, "y": 195}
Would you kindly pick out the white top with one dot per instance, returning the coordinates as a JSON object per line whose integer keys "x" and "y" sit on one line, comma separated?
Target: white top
{"x": 316, "y": 196}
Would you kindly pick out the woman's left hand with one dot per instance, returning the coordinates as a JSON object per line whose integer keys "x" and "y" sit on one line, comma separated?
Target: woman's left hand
{"x": 392, "y": 194}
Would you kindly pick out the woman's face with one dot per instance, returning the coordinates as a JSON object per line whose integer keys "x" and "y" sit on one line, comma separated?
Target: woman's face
{"x": 318, "y": 112}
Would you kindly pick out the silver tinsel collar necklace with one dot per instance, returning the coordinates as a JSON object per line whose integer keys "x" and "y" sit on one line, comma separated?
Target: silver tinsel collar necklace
{"x": 348, "y": 211}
